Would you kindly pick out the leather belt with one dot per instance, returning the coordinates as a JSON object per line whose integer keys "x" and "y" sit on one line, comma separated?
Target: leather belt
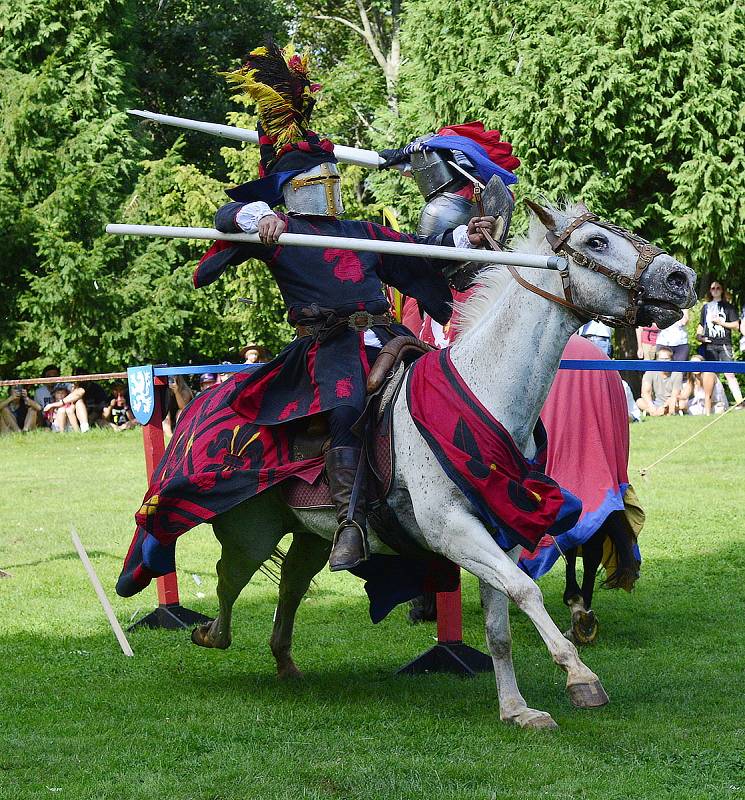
{"x": 359, "y": 321}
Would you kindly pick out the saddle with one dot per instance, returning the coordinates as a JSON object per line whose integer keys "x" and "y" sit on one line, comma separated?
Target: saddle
{"x": 374, "y": 428}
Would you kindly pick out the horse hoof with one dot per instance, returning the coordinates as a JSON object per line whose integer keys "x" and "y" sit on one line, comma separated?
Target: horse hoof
{"x": 530, "y": 719}
{"x": 202, "y": 636}
{"x": 587, "y": 695}
{"x": 289, "y": 672}
{"x": 585, "y": 627}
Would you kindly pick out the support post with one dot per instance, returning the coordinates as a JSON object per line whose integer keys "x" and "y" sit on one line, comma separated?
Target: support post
{"x": 170, "y": 613}
{"x": 450, "y": 654}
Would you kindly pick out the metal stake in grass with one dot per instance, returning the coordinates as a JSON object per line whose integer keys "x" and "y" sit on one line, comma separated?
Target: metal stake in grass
{"x": 113, "y": 621}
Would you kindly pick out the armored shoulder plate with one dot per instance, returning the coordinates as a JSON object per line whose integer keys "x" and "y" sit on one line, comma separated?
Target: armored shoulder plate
{"x": 443, "y": 211}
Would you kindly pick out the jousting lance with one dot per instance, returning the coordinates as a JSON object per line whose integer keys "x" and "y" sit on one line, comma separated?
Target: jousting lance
{"x": 348, "y": 243}
{"x": 347, "y": 155}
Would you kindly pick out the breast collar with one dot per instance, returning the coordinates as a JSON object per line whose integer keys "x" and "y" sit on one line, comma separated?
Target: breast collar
{"x": 559, "y": 244}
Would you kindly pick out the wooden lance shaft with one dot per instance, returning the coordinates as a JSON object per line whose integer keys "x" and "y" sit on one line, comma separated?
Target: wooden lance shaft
{"x": 347, "y": 155}
{"x": 348, "y": 243}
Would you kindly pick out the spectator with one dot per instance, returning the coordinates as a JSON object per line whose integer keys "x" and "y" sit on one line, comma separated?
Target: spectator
{"x": 179, "y": 396}
{"x": 206, "y": 381}
{"x": 118, "y": 413}
{"x": 635, "y": 413}
{"x": 43, "y": 393}
{"x": 63, "y": 411}
{"x": 718, "y": 320}
{"x": 661, "y": 390}
{"x": 599, "y": 334}
{"x": 253, "y": 354}
{"x": 95, "y": 399}
{"x": 18, "y": 412}
{"x": 675, "y": 337}
{"x": 701, "y": 390}
{"x": 223, "y": 376}
{"x": 646, "y": 342}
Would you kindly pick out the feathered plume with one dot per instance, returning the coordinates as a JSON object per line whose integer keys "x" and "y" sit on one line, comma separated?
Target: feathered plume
{"x": 278, "y": 81}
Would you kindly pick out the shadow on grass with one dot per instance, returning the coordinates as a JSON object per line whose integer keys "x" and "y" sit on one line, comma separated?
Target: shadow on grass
{"x": 676, "y": 636}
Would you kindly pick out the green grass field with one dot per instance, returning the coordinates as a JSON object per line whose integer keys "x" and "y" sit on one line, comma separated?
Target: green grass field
{"x": 79, "y": 720}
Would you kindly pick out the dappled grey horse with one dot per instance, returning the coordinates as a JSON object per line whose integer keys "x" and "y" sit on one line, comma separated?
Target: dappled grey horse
{"x": 512, "y": 334}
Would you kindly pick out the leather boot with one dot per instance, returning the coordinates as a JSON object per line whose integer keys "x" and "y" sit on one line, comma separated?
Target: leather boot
{"x": 350, "y": 539}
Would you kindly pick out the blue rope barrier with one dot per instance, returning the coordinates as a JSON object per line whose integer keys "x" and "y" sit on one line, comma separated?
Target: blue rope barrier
{"x": 199, "y": 369}
{"x": 655, "y": 366}
{"x": 581, "y": 364}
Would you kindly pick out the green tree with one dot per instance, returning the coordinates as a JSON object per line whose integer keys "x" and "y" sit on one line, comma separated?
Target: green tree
{"x": 66, "y": 158}
{"x": 182, "y": 46}
{"x": 637, "y": 108}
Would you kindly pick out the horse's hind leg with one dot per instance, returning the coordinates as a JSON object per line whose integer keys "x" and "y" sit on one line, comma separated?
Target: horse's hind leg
{"x": 248, "y": 533}
{"x": 306, "y": 557}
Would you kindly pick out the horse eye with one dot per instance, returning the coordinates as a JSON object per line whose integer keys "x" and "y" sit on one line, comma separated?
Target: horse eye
{"x": 597, "y": 243}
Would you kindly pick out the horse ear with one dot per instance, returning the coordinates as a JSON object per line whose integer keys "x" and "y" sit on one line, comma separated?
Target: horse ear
{"x": 582, "y": 208}
{"x": 545, "y": 215}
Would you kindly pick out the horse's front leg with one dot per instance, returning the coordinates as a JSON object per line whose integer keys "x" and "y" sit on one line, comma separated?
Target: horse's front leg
{"x": 512, "y": 705}
{"x": 468, "y": 543}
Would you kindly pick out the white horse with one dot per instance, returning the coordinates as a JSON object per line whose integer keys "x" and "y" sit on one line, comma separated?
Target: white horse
{"x": 508, "y": 353}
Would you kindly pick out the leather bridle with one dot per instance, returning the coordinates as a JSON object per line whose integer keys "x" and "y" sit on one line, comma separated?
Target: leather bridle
{"x": 559, "y": 244}
{"x": 647, "y": 254}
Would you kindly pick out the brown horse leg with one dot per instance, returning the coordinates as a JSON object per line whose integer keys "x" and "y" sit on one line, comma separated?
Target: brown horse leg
{"x": 248, "y": 533}
{"x": 306, "y": 557}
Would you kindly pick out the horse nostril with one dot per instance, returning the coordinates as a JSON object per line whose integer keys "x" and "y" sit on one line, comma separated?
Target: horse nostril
{"x": 677, "y": 280}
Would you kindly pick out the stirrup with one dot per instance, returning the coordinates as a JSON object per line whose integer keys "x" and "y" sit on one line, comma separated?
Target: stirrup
{"x": 365, "y": 547}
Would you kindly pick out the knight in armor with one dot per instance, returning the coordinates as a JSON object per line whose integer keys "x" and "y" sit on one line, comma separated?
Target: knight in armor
{"x": 334, "y": 297}
{"x": 452, "y": 168}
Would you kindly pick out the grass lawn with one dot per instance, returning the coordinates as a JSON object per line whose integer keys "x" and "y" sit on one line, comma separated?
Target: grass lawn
{"x": 79, "y": 720}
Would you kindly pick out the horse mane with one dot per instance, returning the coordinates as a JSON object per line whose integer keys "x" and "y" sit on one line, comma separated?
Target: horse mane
{"x": 493, "y": 281}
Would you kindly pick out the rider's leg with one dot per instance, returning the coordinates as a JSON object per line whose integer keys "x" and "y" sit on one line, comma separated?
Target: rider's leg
{"x": 342, "y": 462}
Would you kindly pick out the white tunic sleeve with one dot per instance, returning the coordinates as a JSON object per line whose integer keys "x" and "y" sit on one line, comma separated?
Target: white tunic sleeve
{"x": 250, "y": 214}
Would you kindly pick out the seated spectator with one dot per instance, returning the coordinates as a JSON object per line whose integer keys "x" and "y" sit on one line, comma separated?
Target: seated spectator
{"x": 178, "y": 397}
{"x": 206, "y": 381}
{"x": 254, "y": 354}
{"x": 118, "y": 413}
{"x": 702, "y": 390}
{"x": 18, "y": 412}
{"x": 661, "y": 390}
{"x": 43, "y": 393}
{"x": 718, "y": 320}
{"x": 676, "y": 338}
{"x": 95, "y": 399}
{"x": 599, "y": 334}
{"x": 65, "y": 407}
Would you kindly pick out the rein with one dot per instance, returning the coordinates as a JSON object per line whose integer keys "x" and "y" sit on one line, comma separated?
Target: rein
{"x": 559, "y": 244}
{"x": 647, "y": 253}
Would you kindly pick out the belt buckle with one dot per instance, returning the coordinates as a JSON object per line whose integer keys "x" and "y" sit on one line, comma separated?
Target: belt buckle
{"x": 361, "y": 321}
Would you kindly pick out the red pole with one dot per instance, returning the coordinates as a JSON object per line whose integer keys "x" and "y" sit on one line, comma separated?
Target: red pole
{"x": 449, "y": 617}
{"x": 155, "y": 446}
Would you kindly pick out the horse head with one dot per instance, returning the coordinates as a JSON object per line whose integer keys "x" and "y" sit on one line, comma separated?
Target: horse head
{"x": 613, "y": 274}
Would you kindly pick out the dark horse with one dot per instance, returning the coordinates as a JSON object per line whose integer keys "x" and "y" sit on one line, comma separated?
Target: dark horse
{"x": 612, "y": 544}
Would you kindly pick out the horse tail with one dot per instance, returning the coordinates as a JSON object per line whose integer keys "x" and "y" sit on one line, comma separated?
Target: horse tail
{"x": 272, "y": 567}
{"x": 619, "y": 558}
